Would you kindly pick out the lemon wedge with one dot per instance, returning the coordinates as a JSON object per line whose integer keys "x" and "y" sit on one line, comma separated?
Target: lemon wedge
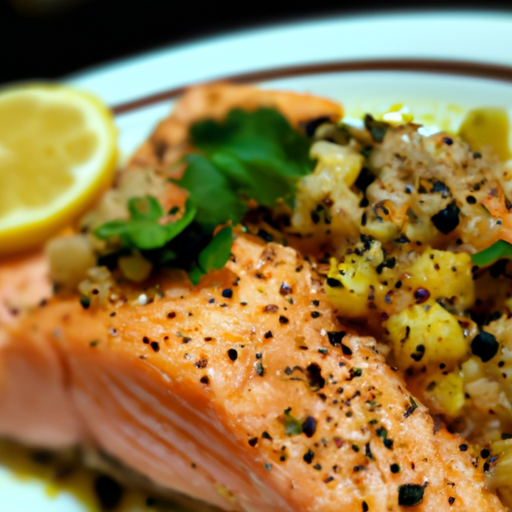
{"x": 58, "y": 151}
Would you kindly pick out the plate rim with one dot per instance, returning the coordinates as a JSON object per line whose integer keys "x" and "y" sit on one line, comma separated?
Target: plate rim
{"x": 426, "y": 34}
{"x": 449, "y": 67}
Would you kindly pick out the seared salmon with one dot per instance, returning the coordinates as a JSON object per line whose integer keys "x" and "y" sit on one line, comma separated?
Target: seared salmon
{"x": 245, "y": 391}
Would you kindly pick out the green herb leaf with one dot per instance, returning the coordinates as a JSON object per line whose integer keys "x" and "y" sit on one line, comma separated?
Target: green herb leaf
{"x": 214, "y": 256}
{"x": 292, "y": 426}
{"x": 144, "y": 231}
{"x": 217, "y": 252}
{"x": 496, "y": 251}
{"x": 211, "y": 193}
{"x": 173, "y": 229}
{"x": 256, "y": 155}
{"x": 145, "y": 208}
{"x": 195, "y": 275}
{"x": 111, "y": 229}
{"x": 145, "y": 235}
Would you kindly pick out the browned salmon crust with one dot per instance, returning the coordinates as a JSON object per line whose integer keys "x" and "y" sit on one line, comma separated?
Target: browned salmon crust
{"x": 243, "y": 391}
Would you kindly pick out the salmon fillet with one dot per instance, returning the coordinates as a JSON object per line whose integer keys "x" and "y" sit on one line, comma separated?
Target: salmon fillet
{"x": 245, "y": 391}
{"x": 192, "y": 391}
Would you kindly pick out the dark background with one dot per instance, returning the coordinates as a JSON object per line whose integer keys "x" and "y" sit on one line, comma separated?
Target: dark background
{"x": 52, "y": 44}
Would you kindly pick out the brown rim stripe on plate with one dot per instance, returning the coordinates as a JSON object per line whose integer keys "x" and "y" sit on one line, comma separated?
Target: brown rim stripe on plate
{"x": 446, "y": 67}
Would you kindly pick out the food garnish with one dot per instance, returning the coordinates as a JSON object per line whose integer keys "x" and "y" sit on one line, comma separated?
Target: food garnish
{"x": 254, "y": 156}
{"x": 57, "y": 153}
{"x": 495, "y": 252}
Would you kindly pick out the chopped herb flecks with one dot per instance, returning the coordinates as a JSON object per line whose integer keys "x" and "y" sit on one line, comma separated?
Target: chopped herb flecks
{"x": 411, "y": 408}
{"x": 292, "y": 426}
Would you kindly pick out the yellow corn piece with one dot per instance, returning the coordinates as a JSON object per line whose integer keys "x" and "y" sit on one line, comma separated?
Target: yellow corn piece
{"x": 445, "y": 275}
{"x": 426, "y": 335}
{"x": 445, "y": 393}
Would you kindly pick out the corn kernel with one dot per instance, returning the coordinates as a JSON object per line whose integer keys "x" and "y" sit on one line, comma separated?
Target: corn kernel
{"x": 445, "y": 275}
{"x": 356, "y": 276}
{"x": 445, "y": 393}
{"x": 424, "y": 335}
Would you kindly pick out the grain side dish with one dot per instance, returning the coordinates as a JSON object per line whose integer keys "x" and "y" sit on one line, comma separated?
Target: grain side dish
{"x": 275, "y": 309}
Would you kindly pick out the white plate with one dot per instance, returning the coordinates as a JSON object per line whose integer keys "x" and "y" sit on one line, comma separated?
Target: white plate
{"x": 439, "y": 64}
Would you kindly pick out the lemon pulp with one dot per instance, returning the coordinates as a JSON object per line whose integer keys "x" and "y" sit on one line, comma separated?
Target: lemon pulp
{"x": 57, "y": 152}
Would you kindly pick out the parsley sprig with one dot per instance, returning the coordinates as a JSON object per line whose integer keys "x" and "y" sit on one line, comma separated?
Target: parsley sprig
{"x": 144, "y": 230}
{"x": 249, "y": 156}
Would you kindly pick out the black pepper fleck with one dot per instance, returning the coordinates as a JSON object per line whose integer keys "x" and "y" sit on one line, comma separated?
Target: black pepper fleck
{"x": 485, "y": 346}
{"x": 388, "y": 443}
{"x": 485, "y": 453}
{"x": 232, "y": 354}
{"x": 85, "y": 302}
{"x": 447, "y": 220}
{"x": 309, "y": 426}
{"x": 308, "y": 456}
{"x": 227, "y": 293}
{"x": 336, "y": 337}
{"x": 334, "y": 283}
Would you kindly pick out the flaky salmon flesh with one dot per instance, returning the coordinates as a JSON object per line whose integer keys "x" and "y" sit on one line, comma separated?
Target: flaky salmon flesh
{"x": 244, "y": 391}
